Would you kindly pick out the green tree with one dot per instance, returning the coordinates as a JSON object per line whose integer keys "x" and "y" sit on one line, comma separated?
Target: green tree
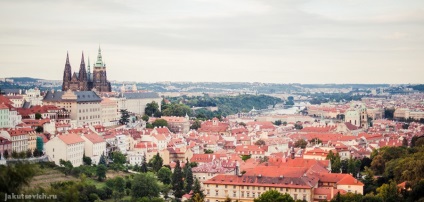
{"x": 86, "y": 160}
{"x": 160, "y": 123}
{"x": 196, "y": 125}
{"x": 118, "y": 188}
{"x": 197, "y": 198}
{"x": 152, "y": 109}
{"x": 14, "y": 176}
{"x": 335, "y": 161}
{"x": 188, "y": 179}
{"x": 67, "y": 165}
{"x": 102, "y": 160}
{"x": 149, "y": 125}
{"x": 143, "y": 167}
{"x": 38, "y": 116}
{"x": 15, "y": 154}
{"x": 177, "y": 110}
{"x": 389, "y": 192}
{"x": 156, "y": 162}
{"x": 145, "y": 185}
{"x": 348, "y": 197}
{"x": 164, "y": 175}
{"x": 316, "y": 141}
{"x": 298, "y": 126}
{"x": 278, "y": 122}
{"x": 245, "y": 157}
{"x": 36, "y": 153}
{"x": 300, "y": 143}
{"x": 369, "y": 182}
{"x": 208, "y": 151}
{"x": 197, "y": 189}
{"x": 125, "y": 117}
{"x": 177, "y": 181}
{"x": 273, "y": 196}
{"x": 242, "y": 124}
{"x": 413, "y": 141}
{"x": 101, "y": 172}
{"x": 39, "y": 129}
{"x": 28, "y": 153}
{"x": 145, "y": 118}
{"x": 378, "y": 164}
{"x": 118, "y": 158}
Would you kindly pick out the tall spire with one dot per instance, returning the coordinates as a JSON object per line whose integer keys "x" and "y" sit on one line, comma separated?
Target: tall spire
{"x": 67, "y": 74}
{"x": 82, "y": 73}
{"x": 99, "y": 62}
{"x": 82, "y": 59}
{"x": 67, "y": 57}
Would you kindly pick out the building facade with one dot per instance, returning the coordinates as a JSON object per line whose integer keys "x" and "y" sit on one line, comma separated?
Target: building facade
{"x": 68, "y": 147}
{"x": 83, "y": 106}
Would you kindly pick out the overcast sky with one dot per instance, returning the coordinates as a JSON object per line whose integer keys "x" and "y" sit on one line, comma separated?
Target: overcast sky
{"x": 280, "y": 41}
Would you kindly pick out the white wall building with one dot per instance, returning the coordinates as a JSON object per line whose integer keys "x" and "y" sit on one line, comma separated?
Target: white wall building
{"x": 69, "y": 147}
{"x": 94, "y": 146}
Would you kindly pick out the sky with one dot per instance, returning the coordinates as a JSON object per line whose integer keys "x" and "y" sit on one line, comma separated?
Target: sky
{"x": 275, "y": 41}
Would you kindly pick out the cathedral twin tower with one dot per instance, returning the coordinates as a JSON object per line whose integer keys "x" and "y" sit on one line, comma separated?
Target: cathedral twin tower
{"x": 85, "y": 80}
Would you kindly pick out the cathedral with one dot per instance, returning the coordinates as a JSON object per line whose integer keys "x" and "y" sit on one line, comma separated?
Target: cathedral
{"x": 84, "y": 80}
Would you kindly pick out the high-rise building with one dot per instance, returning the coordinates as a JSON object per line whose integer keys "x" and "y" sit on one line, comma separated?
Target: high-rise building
{"x": 84, "y": 80}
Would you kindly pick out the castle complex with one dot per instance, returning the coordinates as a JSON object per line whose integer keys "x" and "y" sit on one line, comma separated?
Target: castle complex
{"x": 84, "y": 80}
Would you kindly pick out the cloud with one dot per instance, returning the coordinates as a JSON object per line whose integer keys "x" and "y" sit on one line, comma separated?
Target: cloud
{"x": 217, "y": 40}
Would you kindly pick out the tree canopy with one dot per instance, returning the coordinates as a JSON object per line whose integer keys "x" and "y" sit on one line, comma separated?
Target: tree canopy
{"x": 274, "y": 196}
{"x": 145, "y": 185}
{"x": 152, "y": 109}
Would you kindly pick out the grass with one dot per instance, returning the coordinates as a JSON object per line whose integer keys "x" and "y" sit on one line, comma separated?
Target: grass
{"x": 96, "y": 183}
{"x": 46, "y": 176}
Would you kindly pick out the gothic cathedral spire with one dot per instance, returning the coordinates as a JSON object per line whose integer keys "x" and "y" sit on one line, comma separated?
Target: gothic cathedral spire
{"x": 82, "y": 76}
{"x": 67, "y": 74}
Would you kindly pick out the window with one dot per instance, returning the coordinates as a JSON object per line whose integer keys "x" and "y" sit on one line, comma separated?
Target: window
{"x": 234, "y": 194}
{"x": 216, "y": 185}
{"x": 225, "y": 186}
{"x": 216, "y": 193}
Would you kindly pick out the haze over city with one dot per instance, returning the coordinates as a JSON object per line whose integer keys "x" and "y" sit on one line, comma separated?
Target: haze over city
{"x": 298, "y": 41}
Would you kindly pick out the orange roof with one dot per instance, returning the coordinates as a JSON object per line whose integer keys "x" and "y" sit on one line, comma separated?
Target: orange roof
{"x": 94, "y": 138}
{"x": 70, "y": 138}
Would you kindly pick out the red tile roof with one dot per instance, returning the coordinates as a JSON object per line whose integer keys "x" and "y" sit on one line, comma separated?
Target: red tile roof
{"x": 70, "y": 138}
{"x": 94, "y": 138}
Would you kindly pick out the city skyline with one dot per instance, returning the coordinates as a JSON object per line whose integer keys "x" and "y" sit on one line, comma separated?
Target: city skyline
{"x": 222, "y": 41}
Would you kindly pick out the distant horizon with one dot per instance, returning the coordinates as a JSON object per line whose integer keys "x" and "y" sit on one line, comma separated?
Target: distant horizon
{"x": 231, "y": 82}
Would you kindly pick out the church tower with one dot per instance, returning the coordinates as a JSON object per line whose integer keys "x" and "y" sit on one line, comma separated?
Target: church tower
{"x": 82, "y": 75}
{"x": 67, "y": 74}
{"x": 100, "y": 82}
